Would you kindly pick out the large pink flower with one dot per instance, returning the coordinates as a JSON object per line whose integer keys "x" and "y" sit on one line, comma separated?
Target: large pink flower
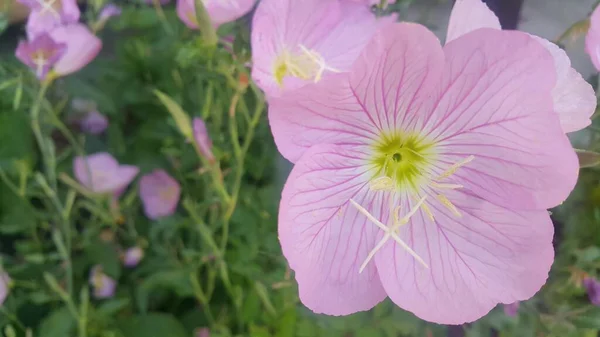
{"x": 82, "y": 47}
{"x": 574, "y": 98}
{"x": 160, "y": 194}
{"x": 101, "y": 173}
{"x": 299, "y": 42}
{"x": 592, "y": 40}
{"x": 48, "y": 14}
{"x": 424, "y": 174}
{"x": 220, "y": 11}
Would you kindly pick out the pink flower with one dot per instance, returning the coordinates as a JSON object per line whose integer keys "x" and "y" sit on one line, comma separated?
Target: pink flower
{"x": 574, "y": 98}
{"x": 592, "y": 286}
{"x": 298, "y": 42}
{"x": 424, "y": 174}
{"x": 82, "y": 47}
{"x": 220, "y": 11}
{"x": 5, "y": 282}
{"x": 94, "y": 123}
{"x": 160, "y": 194}
{"x": 202, "y": 332}
{"x": 48, "y": 14}
{"x": 108, "y": 12}
{"x": 40, "y": 54}
{"x": 104, "y": 286}
{"x": 202, "y": 139}
{"x": 133, "y": 256}
{"x": 512, "y": 309}
{"x": 592, "y": 40}
{"x": 107, "y": 176}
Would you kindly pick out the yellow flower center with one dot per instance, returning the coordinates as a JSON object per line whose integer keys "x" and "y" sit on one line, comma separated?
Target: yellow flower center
{"x": 307, "y": 64}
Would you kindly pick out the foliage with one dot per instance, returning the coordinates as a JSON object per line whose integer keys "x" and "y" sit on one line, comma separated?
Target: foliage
{"x": 216, "y": 262}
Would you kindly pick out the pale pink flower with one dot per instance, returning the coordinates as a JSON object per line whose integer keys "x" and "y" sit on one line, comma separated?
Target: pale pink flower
{"x": 101, "y": 173}
{"x": 104, "y": 286}
{"x": 512, "y": 309}
{"x": 202, "y": 332}
{"x": 40, "y": 54}
{"x": 108, "y": 12}
{"x": 299, "y": 42}
{"x": 133, "y": 256}
{"x": 592, "y": 40}
{"x": 220, "y": 11}
{"x": 5, "y": 282}
{"x": 48, "y": 14}
{"x": 424, "y": 174}
{"x": 94, "y": 123}
{"x": 574, "y": 98}
{"x": 160, "y": 194}
{"x": 202, "y": 139}
{"x": 82, "y": 47}
{"x": 592, "y": 286}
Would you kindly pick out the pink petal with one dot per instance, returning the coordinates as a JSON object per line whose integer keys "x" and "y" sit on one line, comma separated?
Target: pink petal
{"x": 323, "y": 237}
{"x": 468, "y": 16}
{"x": 592, "y": 40}
{"x": 392, "y": 78}
{"x": 490, "y": 255}
{"x": 574, "y": 98}
{"x": 160, "y": 194}
{"x": 496, "y": 104}
{"x": 186, "y": 10}
{"x": 82, "y": 47}
{"x": 101, "y": 173}
{"x": 41, "y": 21}
{"x": 337, "y": 31}
{"x": 226, "y": 11}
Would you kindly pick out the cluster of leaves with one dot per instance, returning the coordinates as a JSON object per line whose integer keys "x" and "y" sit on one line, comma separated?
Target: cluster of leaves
{"x": 216, "y": 263}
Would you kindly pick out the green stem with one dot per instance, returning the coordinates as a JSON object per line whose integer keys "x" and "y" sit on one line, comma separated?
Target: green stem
{"x": 37, "y": 130}
{"x": 13, "y": 318}
{"x": 202, "y": 299}
{"x": 10, "y": 184}
{"x": 162, "y": 16}
{"x": 206, "y": 27}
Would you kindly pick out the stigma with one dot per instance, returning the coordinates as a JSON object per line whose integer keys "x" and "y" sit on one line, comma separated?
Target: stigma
{"x": 307, "y": 65}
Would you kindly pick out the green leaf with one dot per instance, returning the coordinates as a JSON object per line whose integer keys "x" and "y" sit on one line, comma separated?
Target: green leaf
{"x": 587, "y": 158}
{"x": 177, "y": 281}
{"x": 287, "y": 324}
{"x": 16, "y": 214}
{"x": 181, "y": 117}
{"x": 152, "y": 325}
{"x": 16, "y": 141}
{"x": 59, "y": 323}
{"x": 105, "y": 254}
{"x": 589, "y": 320}
{"x": 259, "y": 331}
{"x": 113, "y": 306}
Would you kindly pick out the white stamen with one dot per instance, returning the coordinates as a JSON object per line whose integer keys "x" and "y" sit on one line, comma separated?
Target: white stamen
{"x": 48, "y": 7}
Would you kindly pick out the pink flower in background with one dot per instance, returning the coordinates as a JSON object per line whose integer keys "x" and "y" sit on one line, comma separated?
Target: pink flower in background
{"x": 220, "y": 11}
{"x": 40, "y": 54}
{"x": 104, "y": 286}
{"x": 5, "y": 282}
{"x": 101, "y": 173}
{"x": 512, "y": 309}
{"x": 299, "y": 42}
{"x": 592, "y": 40}
{"x": 82, "y": 47}
{"x": 202, "y": 139}
{"x": 424, "y": 174}
{"x": 133, "y": 256}
{"x": 592, "y": 286}
{"x": 48, "y": 14}
{"x": 574, "y": 98}
{"x": 94, "y": 123}
{"x": 202, "y": 332}
{"x": 108, "y": 12}
{"x": 160, "y": 194}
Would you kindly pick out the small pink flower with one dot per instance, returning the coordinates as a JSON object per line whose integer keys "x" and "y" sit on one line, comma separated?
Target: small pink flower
{"x": 202, "y": 139}
{"x": 592, "y": 286}
{"x": 424, "y": 174}
{"x": 220, "y": 11}
{"x": 202, "y": 332}
{"x": 48, "y": 14}
{"x": 574, "y": 98}
{"x": 108, "y": 12}
{"x": 40, "y": 54}
{"x": 104, "y": 286}
{"x": 5, "y": 282}
{"x": 592, "y": 40}
{"x": 133, "y": 256}
{"x": 295, "y": 43}
{"x": 512, "y": 309}
{"x": 82, "y": 47}
{"x": 94, "y": 123}
{"x": 101, "y": 173}
{"x": 160, "y": 194}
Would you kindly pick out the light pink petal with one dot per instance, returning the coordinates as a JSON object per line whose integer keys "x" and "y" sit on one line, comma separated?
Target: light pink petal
{"x": 101, "y": 173}
{"x": 391, "y": 79}
{"x": 160, "y": 194}
{"x": 226, "y": 11}
{"x": 574, "y": 98}
{"x": 324, "y": 238}
{"x": 490, "y": 255}
{"x": 468, "y": 16}
{"x": 41, "y": 20}
{"x": 186, "y": 10}
{"x": 337, "y": 31}
{"x": 5, "y": 281}
{"x": 592, "y": 40}
{"x": 495, "y": 103}
{"x": 82, "y": 47}
{"x": 126, "y": 174}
